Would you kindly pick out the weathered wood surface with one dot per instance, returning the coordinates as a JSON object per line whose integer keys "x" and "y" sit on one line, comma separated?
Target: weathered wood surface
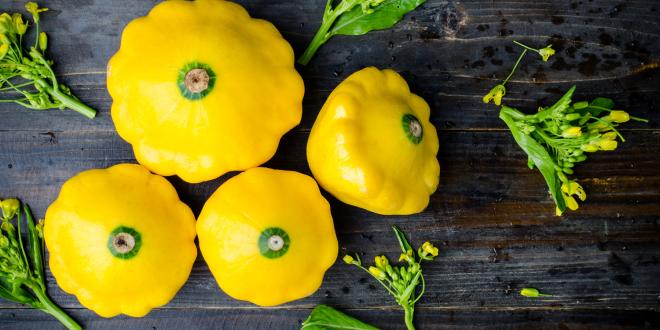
{"x": 491, "y": 216}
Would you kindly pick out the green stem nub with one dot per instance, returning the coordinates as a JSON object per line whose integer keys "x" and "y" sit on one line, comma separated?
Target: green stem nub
{"x": 413, "y": 128}
{"x": 196, "y": 80}
{"x": 273, "y": 242}
{"x": 124, "y": 242}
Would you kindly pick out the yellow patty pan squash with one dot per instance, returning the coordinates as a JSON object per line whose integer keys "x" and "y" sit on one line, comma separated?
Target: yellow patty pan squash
{"x": 268, "y": 236}
{"x": 120, "y": 240}
{"x": 200, "y": 88}
{"x": 372, "y": 145}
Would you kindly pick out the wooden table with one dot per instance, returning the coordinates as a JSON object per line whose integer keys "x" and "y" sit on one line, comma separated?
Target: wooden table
{"x": 492, "y": 217}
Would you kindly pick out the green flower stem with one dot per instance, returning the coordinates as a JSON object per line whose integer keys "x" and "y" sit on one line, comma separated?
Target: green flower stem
{"x": 409, "y": 311}
{"x": 526, "y": 47}
{"x": 66, "y": 100}
{"x": 643, "y": 120}
{"x": 379, "y": 281}
{"x": 319, "y": 39}
{"x": 515, "y": 66}
{"x": 51, "y": 308}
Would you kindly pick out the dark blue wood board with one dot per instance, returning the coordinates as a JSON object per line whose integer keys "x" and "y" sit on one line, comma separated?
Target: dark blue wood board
{"x": 491, "y": 216}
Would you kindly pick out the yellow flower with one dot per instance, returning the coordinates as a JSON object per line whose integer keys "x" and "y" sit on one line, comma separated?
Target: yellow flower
{"x": 34, "y": 9}
{"x": 495, "y": 95}
{"x": 348, "y": 259}
{"x": 574, "y": 188}
{"x": 21, "y": 26}
{"x": 430, "y": 249}
{"x": 377, "y": 273}
{"x": 10, "y": 207}
{"x": 546, "y": 52}
{"x": 5, "y": 23}
{"x": 617, "y": 116}
{"x": 381, "y": 262}
{"x": 571, "y": 132}
{"x": 571, "y": 203}
{"x": 4, "y": 48}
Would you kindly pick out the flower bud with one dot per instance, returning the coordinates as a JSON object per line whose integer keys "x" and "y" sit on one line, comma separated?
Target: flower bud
{"x": 6, "y": 24}
{"x": 7, "y": 227}
{"x": 348, "y": 259}
{"x": 10, "y": 207}
{"x": 580, "y": 105}
{"x": 607, "y": 145}
{"x": 589, "y": 147}
{"x": 20, "y": 26}
{"x": 572, "y": 116}
{"x": 4, "y": 241}
{"x": 530, "y": 292}
{"x": 609, "y": 136}
{"x": 40, "y": 228}
{"x": 571, "y": 132}
{"x": 617, "y": 116}
{"x": 377, "y": 273}
{"x": 381, "y": 262}
{"x": 43, "y": 41}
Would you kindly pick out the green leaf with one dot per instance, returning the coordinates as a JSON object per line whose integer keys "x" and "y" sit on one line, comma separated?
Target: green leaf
{"x": 325, "y": 317}
{"x": 18, "y": 295}
{"x": 36, "y": 254}
{"x": 383, "y": 16}
{"x": 537, "y": 153}
{"x": 600, "y": 102}
{"x": 401, "y": 237}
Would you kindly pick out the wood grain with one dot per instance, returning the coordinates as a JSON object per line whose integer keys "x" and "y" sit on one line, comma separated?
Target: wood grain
{"x": 492, "y": 217}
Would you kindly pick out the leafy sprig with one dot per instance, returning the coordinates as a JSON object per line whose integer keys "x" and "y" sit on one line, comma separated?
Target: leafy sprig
{"x": 325, "y": 317}
{"x": 401, "y": 281}
{"x": 559, "y": 136}
{"x": 27, "y": 73}
{"x": 357, "y": 17}
{"x": 22, "y": 276}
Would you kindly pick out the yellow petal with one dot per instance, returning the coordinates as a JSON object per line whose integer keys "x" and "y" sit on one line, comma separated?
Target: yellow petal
{"x": 4, "y": 48}
{"x": 571, "y": 203}
{"x": 607, "y": 145}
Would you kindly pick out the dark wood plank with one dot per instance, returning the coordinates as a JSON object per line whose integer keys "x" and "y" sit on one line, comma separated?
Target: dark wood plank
{"x": 286, "y": 318}
{"x": 492, "y": 216}
{"x": 499, "y": 232}
{"x": 440, "y": 50}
